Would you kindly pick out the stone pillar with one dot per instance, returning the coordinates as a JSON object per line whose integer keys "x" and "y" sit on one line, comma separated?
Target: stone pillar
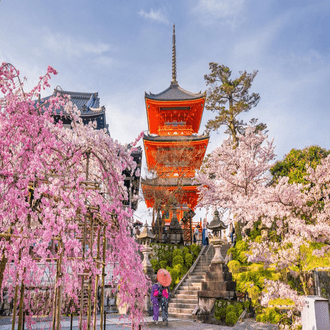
{"x": 217, "y": 284}
{"x": 217, "y": 242}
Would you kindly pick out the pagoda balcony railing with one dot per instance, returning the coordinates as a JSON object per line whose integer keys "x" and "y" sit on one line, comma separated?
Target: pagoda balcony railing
{"x": 175, "y": 130}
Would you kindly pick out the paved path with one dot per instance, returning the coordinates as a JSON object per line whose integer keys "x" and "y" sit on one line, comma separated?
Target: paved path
{"x": 115, "y": 323}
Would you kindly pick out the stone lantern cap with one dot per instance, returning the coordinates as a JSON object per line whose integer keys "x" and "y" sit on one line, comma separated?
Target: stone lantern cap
{"x": 146, "y": 233}
{"x": 216, "y": 224}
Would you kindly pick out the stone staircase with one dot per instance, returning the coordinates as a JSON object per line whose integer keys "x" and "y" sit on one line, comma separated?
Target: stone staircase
{"x": 185, "y": 295}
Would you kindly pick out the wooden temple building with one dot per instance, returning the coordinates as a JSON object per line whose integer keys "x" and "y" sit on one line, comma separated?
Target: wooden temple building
{"x": 91, "y": 111}
{"x": 174, "y": 151}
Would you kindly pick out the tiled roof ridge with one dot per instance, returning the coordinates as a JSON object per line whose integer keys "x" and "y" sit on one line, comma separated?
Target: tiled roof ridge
{"x": 176, "y": 137}
{"x": 174, "y": 87}
{"x": 77, "y": 94}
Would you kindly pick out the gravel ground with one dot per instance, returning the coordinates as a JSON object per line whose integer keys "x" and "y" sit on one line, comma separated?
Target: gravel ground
{"x": 115, "y": 323}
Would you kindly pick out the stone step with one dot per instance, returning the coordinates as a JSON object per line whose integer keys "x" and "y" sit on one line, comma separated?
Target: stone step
{"x": 199, "y": 272}
{"x": 196, "y": 276}
{"x": 184, "y": 301}
{"x": 180, "y": 315}
{"x": 191, "y": 286}
{"x": 194, "y": 279}
{"x": 180, "y": 310}
{"x": 181, "y": 293}
{"x": 181, "y": 306}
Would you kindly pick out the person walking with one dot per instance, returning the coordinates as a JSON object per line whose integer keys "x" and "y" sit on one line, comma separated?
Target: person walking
{"x": 206, "y": 236}
{"x": 205, "y": 233}
{"x": 155, "y": 297}
{"x": 166, "y": 296}
{"x": 196, "y": 232}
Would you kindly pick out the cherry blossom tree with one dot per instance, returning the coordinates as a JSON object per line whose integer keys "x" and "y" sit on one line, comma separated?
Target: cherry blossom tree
{"x": 231, "y": 176}
{"x": 61, "y": 196}
{"x": 295, "y": 216}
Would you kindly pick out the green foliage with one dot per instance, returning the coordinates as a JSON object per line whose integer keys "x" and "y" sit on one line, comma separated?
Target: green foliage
{"x": 234, "y": 266}
{"x": 269, "y": 315}
{"x": 174, "y": 274}
{"x": 163, "y": 264}
{"x": 185, "y": 250}
{"x": 234, "y": 93}
{"x": 294, "y": 165}
{"x": 279, "y": 302}
{"x": 188, "y": 258}
{"x": 228, "y": 311}
{"x": 177, "y": 260}
{"x": 231, "y": 318}
{"x": 195, "y": 249}
{"x": 177, "y": 252}
{"x": 220, "y": 309}
{"x": 155, "y": 264}
{"x": 242, "y": 257}
{"x": 230, "y": 308}
{"x": 246, "y": 304}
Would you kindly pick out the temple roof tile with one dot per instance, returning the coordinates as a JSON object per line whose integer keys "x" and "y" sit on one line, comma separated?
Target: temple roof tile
{"x": 174, "y": 93}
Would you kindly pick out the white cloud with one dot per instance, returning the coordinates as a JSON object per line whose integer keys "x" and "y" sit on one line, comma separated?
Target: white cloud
{"x": 156, "y": 15}
{"x": 224, "y": 11}
{"x": 65, "y": 45}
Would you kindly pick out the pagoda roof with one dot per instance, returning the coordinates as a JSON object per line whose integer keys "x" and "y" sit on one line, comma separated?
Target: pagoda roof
{"x": 175, "y": 138}
{"x": 175, "y": 93}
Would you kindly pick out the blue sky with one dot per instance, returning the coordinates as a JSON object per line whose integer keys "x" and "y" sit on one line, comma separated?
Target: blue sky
{"x": 123, "y": 48}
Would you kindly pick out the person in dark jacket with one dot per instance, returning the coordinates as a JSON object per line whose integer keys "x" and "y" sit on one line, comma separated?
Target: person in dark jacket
{"x": 156, "y": 296}
{"x": 166, "y": 296}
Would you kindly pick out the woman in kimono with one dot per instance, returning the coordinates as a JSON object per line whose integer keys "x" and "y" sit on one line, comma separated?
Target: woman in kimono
{"x": 156, "y": 295}
{"x": 166, "y": 296}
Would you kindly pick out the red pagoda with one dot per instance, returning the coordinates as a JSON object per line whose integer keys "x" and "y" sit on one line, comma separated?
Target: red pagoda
{"x": 173, "y": 149}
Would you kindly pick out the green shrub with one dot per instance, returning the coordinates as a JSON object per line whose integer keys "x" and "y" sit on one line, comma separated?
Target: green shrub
{"x": 242, "y": 257}
{"x": 188, "y": 258}
{"x": 185, "y": 250}
{"x": 178, "y": 268}
{"x": 220, "y": 309}
{"x": 177, "y": 252}
{"x": 163, "y": 263}
{"x": 155, "y": 264}
{"x": 269, "y": 315}
{"x": 177, "y": 260}
{"x": 174, "y": 274}
{"x": 241, "y": 246}
{"x": 230, "y": 308}
{"x": 239, "y": 309}
{"x": 234, "y": 266}
{"x": 254, "y": 293}
{"x": 233, "y": 252}
{"x": 231, "y": 318}
{"x": 246, "y": 304}
{"x": 195, "y": 249}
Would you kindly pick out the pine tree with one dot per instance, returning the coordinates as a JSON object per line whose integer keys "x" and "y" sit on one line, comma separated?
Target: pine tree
{"x": 228, "y": 98}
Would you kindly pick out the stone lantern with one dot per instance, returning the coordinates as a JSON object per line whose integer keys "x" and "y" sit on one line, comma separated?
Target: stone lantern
{"x": 146, "y": 237}
{"x": 217, "y": 226}
{"x": 217, "y": 282}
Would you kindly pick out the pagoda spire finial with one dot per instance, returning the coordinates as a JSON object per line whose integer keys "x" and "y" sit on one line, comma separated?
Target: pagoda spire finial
{"x": 174, "y": 81}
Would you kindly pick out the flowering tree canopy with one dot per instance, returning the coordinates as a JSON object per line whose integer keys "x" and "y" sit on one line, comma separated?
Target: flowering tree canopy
{"x": 61, "y": 194}
{"x": 294, "y": 216}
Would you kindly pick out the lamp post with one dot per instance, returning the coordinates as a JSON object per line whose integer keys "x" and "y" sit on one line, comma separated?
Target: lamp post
{"x": 217, "y": 226}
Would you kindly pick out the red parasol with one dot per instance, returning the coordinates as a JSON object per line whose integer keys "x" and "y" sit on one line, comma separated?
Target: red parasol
{"x": 164, "y": 277}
